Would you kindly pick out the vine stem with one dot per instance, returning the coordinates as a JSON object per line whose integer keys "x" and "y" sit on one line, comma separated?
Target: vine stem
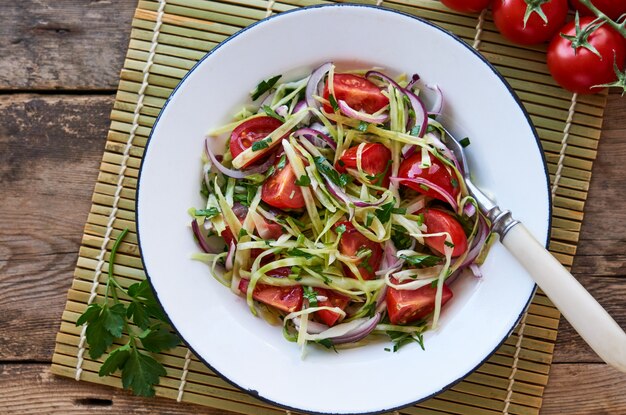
{"x": 620, "y": 27}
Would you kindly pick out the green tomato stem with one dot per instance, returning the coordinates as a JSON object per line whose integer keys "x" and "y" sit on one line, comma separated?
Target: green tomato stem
{"x": 620, "y": 27}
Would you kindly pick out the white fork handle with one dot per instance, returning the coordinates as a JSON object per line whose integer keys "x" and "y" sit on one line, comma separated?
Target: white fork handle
{"x": 583, "y": 312}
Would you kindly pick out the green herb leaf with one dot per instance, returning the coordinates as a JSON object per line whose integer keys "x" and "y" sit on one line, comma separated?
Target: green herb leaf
{"x": 384, "y": 212}
{"x": 141, "y": 372}
{"x": 311, "y": 295}
{"x": 464, "y": 142}
{"x": 297, "y": 252}
{"x": 207, "y": 213}
{"x": 400, "y": 237}
{"x": 303, "y": 181}
{"x": 269, "y": 111}
{"x": 368, "y": 220}
{"x": 281, "y": 162}
{"x": 158, "y": 338}
{"x": 401, "y": 339}
{"x": 340, "y": 229}
{"x": 333, "y": 102}
{"x": 421, "y": 261}
{"x": 415, "y": 131}
{"x": 362, "y": 126}
{"x": 104, "y": 329}
{"x": 116, "y": 360}
{"x": 242, "y": 233}
{"x": 448, "y": 244}
{"x": 259, "y": 145}
{"x": 328, "y": 171}
{"x": 264, "y": 86}
{"x": 327, "y": 343}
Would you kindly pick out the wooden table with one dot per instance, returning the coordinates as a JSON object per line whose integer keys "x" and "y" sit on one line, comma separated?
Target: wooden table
{"x": 59, "y": 64}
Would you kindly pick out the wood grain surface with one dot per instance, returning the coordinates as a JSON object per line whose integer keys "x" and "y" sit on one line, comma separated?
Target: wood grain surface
{"x": 59, "y": 65}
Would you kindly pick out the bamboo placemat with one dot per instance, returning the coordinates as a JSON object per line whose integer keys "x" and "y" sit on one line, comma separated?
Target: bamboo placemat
{"x": 167, "y": 38}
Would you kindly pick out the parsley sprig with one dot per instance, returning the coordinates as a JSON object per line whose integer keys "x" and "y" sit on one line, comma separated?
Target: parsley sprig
{"x": 109, "y": 320}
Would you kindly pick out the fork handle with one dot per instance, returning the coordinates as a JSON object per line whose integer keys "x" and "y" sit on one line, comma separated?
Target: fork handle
{"x": 582, "y": 311}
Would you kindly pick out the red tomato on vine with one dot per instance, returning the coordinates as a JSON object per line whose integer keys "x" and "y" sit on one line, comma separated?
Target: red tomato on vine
{"x": 586, "y": 55}
{"x": 529, "y": 22}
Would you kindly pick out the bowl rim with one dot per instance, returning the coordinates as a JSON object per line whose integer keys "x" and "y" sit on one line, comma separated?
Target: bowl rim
{"x": 383, "y": 9}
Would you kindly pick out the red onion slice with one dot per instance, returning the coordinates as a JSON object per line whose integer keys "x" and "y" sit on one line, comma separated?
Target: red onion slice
{"x": 477, "y": 244}
{"x": 231, "y": 256}
{"x": 414, "y": 79}
{"x": 376, "y": 74}
{"x": 358, "y": 333}
{"x": 476, "y": 270}
{"x": 299, "y": 106}
{"x": 438, "y": 104}
{"x": 348, "y": 111}
{"x": 421, "y": 116}
{"x": 419, "y": 181}
{"x": 201, "y": 238}
{"x": 469, "y": 209}
{"x": 348, "y": 199}
{"x": 408, "y": 150}
{"x": 317, "y": 138}
{"x": 237, "y": 174}
{"x": 312, "y": 87}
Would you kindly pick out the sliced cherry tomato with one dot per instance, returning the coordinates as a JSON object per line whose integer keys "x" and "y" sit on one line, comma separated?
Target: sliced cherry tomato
{"x": 287, "y": 299}
{"x": 437, "y": 174}
{"x": 351, "y": 242}
{"x": 406, "y": 306}
{"x": 274, "y": 230}
{"x": 375, "y": 161}
{"x": 580, "y": 70}
{"x": 333, "y": 300}
{"x": 358, "y": 92}
{"x": 439, "y": 221}
{"x": 249, "y": 132}
{"x": 508, "y": 15}
{"x": 612, "y": 8}
{"x": 467, "y": 6}
{"x": 281, "y": 191}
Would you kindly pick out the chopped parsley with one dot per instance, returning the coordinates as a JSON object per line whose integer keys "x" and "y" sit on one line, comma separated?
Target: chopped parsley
{"x": 465, "y": 142}
{"x": 362, "y": 126}
{"x": 400, "y": 339}
{"x": 269, "y": 111}
{"x": 263, "y": 87}
{"x": 281, "y": 162}
{"x": 421, "y": 261}
{"x": 384, "y": 212}
{"x": 207, "y": 213}
{"x": 310, "y": 295}
{"x": 328, "y": 171}
{"x": 303, "y": 181}
{"x": 298, "y": 252}
{"x": 415, "y": 131}
{"x": 333, "y": 102}
{"x": 400, "y": 237}
{"x": 340, "y": 229}
{"x": 448, "y": 244}
{"x": 259, "y": 145}
{"x": 377, "y": 179}
{"x": 243, "y": 232}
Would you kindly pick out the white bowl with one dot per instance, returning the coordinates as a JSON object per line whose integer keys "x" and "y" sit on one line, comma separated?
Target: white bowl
{"x": 505, "y": 158}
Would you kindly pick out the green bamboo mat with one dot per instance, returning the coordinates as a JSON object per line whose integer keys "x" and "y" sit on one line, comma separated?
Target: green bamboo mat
{"x": 167, "y": 38}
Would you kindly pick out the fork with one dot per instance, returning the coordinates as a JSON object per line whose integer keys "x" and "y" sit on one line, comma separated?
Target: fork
{"x": 583, "y": 312}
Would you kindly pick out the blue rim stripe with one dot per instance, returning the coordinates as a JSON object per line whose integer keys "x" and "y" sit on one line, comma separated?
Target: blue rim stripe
{"x": 255, "y": 393}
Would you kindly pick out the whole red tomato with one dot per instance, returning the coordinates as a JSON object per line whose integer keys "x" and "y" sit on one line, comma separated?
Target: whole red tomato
{"x": 467, "y": 6}
{"x": 612, "y": 8}
{"x": 579, "y": 70}
{"x": 521, "y": 22}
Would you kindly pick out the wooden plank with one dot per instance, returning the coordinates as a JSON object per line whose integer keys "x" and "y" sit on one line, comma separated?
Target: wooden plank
{"x": 49, "y": 156}
{"x": 69, "y": 44}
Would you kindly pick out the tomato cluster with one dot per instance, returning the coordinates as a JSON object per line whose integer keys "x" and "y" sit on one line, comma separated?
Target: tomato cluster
{"x": 582, "y": 55}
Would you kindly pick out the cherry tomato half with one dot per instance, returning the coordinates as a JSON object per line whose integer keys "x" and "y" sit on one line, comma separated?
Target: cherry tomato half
{"x": 281, "y": 191}
{"x": 249, "y": 132}
{"x": 375, "y": 160}
{"x": 358, "y": 92}
{"x": 437, "y": 174}
{"x": 351, "y": 242}
{"x": 406, "y": 306}
{"x": 333, "y": 299}
{"x": 287, "y": 299}
{"x": 439, "y": 221}
{"x": 578, "y": 71}
{"x": 612, "y": 8}
{"x": 508, "y": 15}
{"x": 467, "y": 6}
